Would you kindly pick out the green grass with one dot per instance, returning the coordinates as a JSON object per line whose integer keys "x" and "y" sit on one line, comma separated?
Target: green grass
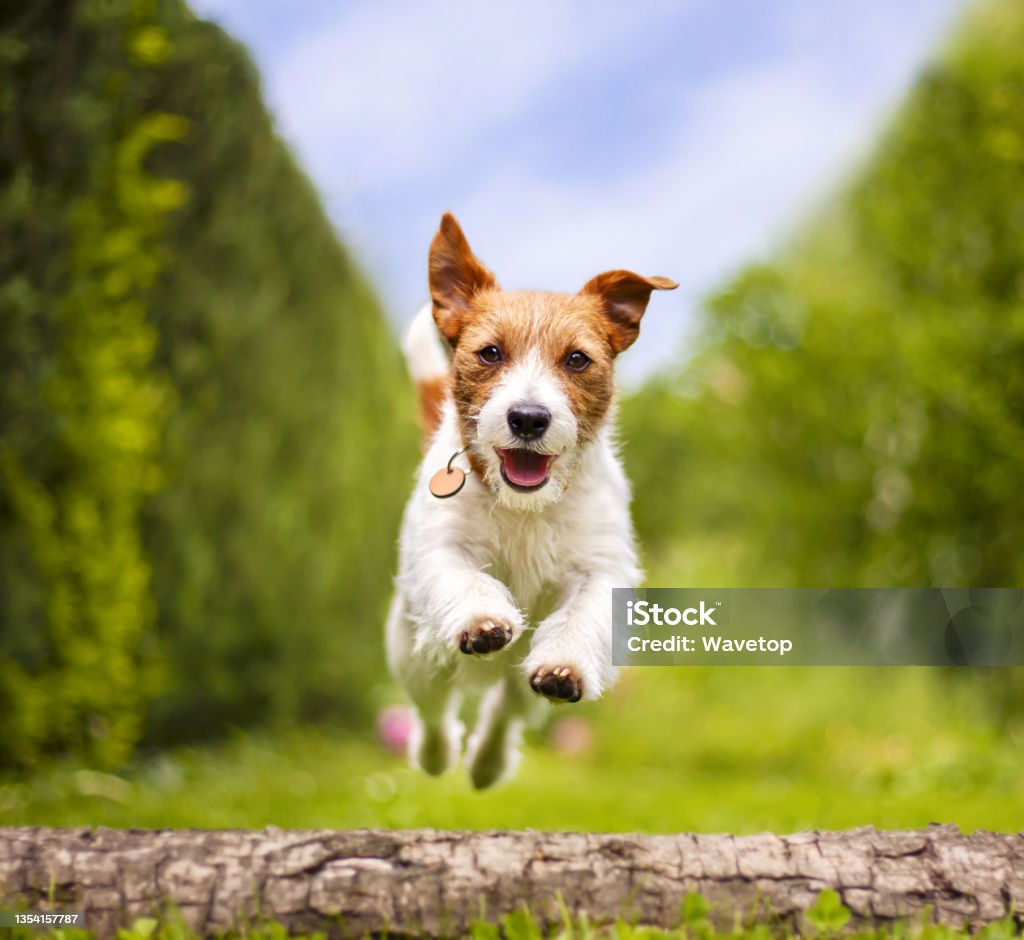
{"x": 726, "y": 749}
{"x": 827, "y": 918}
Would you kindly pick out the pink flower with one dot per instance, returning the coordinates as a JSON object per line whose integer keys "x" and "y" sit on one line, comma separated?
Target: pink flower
{"x": 572, "y": 735}
{"x": 394, "y": 727}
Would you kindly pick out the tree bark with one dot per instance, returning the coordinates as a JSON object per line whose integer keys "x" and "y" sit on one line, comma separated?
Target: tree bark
{"x": 413, "y": 882}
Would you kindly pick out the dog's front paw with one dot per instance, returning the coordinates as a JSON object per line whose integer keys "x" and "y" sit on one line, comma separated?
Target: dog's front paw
{"x": 559, "y": 683}
{"x": 487, "y": 635}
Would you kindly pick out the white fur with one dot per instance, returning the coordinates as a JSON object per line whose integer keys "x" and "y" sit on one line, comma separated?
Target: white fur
{"x": 528, "y": 382}
{"x": 423, "y": 350}
{"x": 543, "y": 563}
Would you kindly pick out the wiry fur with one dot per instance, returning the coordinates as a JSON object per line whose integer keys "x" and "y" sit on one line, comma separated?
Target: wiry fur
{"x": 495, "y": 559}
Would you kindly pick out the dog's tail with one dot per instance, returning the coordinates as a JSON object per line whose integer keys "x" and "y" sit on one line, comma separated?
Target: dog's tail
{"x": 428, "y": 366}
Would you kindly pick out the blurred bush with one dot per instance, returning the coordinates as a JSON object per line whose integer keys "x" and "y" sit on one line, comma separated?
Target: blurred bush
{"x": 853, "y": 411}
{"x": 205, "y": 429}
{"x": 84, "y": 245}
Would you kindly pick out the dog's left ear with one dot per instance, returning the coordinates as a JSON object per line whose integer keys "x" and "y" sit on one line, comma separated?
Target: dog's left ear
{"x": 455, "y": 276}
{"x": 624, "y": 296}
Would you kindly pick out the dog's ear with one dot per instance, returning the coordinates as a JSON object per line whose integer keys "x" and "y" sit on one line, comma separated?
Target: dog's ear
{"x": 624, "y": 296}
{"x": 455, "y": 275}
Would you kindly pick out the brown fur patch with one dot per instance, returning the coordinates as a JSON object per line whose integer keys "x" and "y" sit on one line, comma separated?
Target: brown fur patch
{"x": 455, "y": 276}
{"x": 430, "y": 395}
{"x": 623, "y": 296}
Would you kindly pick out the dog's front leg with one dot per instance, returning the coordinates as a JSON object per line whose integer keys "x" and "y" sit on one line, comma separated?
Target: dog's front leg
{"x": 571, "y": 655}
{"x": 456, "y": 606}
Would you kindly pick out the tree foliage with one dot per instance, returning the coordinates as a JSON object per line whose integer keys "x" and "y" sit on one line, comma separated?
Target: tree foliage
{"x": 853, "y": 412}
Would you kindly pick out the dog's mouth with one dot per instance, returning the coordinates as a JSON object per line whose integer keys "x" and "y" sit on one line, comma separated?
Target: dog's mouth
{"x": 524, "y": 470}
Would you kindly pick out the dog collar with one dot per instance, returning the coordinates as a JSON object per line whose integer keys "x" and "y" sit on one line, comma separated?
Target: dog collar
{"x": 449, "y": 480}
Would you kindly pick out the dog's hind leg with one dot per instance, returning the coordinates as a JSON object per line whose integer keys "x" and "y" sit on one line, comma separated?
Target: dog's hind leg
{"x": 494, "y": 745}
{"x": 437, "y": 736}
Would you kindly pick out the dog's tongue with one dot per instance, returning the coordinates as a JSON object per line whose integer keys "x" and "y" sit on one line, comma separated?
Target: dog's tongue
{"x": 524, "y": 467}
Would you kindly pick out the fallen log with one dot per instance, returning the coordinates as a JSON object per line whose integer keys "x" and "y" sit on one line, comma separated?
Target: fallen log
{"x": 436, "y": 883}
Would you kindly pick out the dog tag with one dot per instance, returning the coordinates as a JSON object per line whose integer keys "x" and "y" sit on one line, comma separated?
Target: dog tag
{"x": 447, "y": 482}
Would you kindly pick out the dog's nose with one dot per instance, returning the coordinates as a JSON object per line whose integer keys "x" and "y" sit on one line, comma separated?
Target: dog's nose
{"x": 528, "y": 422}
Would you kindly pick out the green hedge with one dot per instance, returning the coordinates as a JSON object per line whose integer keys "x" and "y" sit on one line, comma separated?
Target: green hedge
{"x": 82, "y": 408}
{"x": 205, "y": 428}
{"x": 293, "y": 449}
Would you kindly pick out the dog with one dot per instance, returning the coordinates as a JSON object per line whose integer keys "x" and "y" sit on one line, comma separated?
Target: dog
{"x": 519, "y": 526}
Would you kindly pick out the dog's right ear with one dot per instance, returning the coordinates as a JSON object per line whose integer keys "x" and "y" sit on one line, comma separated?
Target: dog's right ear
{"x": 455, "y": 275}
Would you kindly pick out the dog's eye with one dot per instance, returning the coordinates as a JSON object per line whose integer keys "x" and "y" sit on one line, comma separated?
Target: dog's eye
{"x": 490, "y": 355}
{"x": 577, "y": 360}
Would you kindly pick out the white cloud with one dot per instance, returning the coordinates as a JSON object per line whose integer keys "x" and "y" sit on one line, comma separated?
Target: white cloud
{"x": 394, "y": 88}
{"x": 411, "y": 97}
{"x": 750, "y": 149}
{"x": 754, "y": 150}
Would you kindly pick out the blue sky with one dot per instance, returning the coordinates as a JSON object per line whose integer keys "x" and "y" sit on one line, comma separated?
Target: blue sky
{"x": 679, "y": 138}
